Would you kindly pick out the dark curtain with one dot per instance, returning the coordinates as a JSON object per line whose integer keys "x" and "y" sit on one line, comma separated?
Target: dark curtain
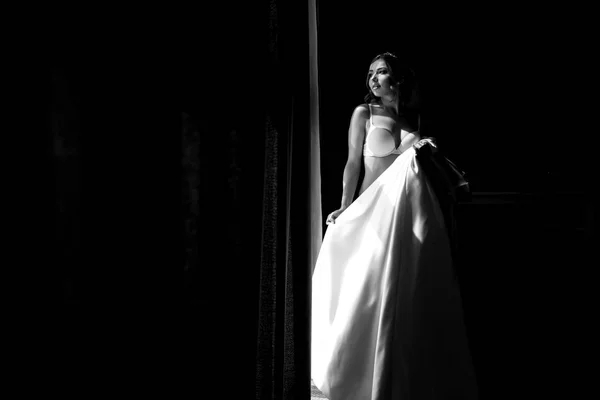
{"x": 251, "y": 206}
{"x": 291, "y": 229}
{"x": 65, "y": 128}
{"x": 190, "y": 211}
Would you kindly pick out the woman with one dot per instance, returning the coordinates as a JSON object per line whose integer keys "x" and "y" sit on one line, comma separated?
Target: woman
{"x": 387, "y": 317}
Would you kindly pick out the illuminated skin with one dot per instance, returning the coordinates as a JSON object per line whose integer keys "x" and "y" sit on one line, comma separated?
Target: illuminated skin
{"x": 384, "y": 87}
{"x": 381, "y": 84}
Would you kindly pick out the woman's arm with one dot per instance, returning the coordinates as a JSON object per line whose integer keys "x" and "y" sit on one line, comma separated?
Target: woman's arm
{"x": 356, "y": 136}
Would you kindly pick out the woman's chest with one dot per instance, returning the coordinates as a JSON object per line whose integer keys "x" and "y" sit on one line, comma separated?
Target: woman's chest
{"x": 395, "y": 127}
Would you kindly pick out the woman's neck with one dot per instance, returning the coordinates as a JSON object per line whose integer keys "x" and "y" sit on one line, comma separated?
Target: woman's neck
{"x": 391, "y": 104}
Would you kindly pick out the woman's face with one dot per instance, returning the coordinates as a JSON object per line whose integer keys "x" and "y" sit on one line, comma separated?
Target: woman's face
{"x": 379, "y": 79}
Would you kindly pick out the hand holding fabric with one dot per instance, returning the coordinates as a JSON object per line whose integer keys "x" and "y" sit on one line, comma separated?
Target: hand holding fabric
{"x": 332, "y": 217}
{"x": 426, "y": 140}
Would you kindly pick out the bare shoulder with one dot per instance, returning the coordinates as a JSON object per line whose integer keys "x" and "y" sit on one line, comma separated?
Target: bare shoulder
{"x": 361, "y": 113}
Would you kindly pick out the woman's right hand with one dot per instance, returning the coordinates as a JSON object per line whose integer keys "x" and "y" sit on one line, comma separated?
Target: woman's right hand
{"x": 333, "y": 216}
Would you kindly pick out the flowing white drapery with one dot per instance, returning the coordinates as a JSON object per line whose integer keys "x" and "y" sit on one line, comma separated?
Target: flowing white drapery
{"x": 387, "y": 319}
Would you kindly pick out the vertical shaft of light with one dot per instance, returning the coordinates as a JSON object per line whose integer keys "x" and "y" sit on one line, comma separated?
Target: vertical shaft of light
{"x": 316, "y": 230}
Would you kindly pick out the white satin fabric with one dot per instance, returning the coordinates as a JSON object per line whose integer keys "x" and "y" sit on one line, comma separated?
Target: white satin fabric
{"x": 387, "y": 320}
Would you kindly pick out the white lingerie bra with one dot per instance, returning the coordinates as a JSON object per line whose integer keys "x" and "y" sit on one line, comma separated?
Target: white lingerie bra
{"x": 379, "y": 141}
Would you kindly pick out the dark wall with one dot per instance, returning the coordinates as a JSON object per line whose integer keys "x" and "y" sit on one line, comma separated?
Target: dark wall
{"x": 498, "y": 86}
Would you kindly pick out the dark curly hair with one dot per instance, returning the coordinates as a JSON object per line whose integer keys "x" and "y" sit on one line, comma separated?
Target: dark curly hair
{"x": 400, "y": 73}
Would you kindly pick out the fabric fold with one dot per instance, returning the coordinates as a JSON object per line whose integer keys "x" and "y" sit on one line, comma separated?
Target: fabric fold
{"x": 387, "y": 318}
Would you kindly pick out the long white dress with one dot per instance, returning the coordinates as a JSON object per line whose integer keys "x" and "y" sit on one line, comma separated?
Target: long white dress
{"x": 387, "y": 319}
